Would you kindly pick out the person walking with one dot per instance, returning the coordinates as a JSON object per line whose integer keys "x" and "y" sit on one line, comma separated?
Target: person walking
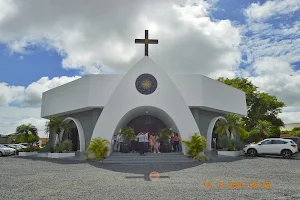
{"x": 176, "y": 141}
{"x": 142, "y": 139}
{"x": 151, "y": 142}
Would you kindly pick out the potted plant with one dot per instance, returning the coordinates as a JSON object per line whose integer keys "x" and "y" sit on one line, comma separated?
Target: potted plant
{"x": 164, "y": 135}
{"x": 98, "y": 149}
{"x": 57, "y": 125}
{"x": 128, "y": 135}
{"x": 195, "y": 146}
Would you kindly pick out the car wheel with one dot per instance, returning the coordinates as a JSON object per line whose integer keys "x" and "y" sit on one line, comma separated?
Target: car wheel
{"x": 1, "y": 154}
{"x": 252, "y": 152}
{"x": 286, "y": 154}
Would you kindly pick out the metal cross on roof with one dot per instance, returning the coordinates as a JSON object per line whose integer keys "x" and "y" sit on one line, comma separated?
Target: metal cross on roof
{"x": 146, "y": 41}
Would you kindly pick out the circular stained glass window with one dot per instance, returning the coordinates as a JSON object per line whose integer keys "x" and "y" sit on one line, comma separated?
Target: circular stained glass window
{"x": 146, "y": 84}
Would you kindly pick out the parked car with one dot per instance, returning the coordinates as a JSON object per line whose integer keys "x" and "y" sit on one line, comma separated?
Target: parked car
{"x": 6, "y": 150}
{"x": 17, "y": 147}
{"x": 272, "y": 146}
{"x": 24, "y": 144}
{"x": 296, "y": 140}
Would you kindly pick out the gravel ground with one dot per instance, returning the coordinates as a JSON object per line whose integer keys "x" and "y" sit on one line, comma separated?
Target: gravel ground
{"x": 42, "y": 178}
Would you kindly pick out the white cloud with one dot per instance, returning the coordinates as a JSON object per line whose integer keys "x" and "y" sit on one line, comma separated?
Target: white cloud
{"x": 258, "y": 12}
{"x": 10, "y": 94}
{"x": 11, "y": 117}
{"x": 33, "y": 93}
{"x": 277, "y": 77}
{"x": 95, "y": 39}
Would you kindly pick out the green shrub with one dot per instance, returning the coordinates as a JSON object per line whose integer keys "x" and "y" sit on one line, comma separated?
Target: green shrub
{"x": 67, "y": 145}
{"x": 195, "y": 145}
{"x": 58, "y": 147}
{"x": 127, "y": 134}
{"x": 200, "y": 158}
{"x": 98, "y": 149}
{"x": 30, "y": 149}
{"x": 224, "y": 141}
{"x": 231, "y": 145}
{"x": 164, "y": 134}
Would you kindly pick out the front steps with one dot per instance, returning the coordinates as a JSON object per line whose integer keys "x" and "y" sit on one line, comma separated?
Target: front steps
{"x": 153, "y": 158}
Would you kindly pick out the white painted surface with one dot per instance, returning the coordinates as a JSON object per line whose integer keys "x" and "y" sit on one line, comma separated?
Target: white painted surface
{"x": 126, "y": 102}
{"x": 61, "y": 155}
{"x": 27, "y": 153}
{"x": 230, "y": 153}
{"x": 95, "y": 90}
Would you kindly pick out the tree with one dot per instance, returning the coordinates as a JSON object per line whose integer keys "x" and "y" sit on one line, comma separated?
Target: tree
{"x": 262, "y": 131}
{"x": 57, "y": 125}
{"x": 27, "y": 133}
{"x": 260, "y": 105}
{"x": 296, "y": 129}
{"x": 233, "y": 125}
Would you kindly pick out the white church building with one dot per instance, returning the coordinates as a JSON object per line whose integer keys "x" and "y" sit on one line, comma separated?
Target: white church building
{"x": 146, "y": 98}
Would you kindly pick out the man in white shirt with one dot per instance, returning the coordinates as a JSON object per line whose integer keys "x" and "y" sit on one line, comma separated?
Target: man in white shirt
{"x": 142, "y": 138}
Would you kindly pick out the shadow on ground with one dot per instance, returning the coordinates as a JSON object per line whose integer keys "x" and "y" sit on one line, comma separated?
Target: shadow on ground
{"x": 143, "y": 169}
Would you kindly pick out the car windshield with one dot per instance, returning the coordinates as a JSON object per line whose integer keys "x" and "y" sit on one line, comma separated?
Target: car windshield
{"x": 2, "y": 146}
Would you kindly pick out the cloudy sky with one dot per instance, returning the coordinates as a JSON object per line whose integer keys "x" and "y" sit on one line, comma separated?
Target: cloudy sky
{"x": 44, "y": 44}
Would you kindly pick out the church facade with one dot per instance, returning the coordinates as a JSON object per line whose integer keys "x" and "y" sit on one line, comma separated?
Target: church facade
{"x": 100, "y": 105}
{"x": 147, "y": 98}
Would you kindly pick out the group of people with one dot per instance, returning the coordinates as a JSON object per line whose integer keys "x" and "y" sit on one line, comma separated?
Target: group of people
{"x": 145, "y": 142}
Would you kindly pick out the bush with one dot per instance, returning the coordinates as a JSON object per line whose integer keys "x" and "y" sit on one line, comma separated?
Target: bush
{"x": 195, "y": 145}
{"x": 164, "y": 134}
{"x": 98, "y": 149}
{"x": 67, "y": 145}
{"x": 58, "y": 147}
{"x": 231, "y": 145}
{"x": 30, "y": 149}
{"x": 127, "y": 133}
{"x": 200, "y": 158}
{"x": 224, "y": 142}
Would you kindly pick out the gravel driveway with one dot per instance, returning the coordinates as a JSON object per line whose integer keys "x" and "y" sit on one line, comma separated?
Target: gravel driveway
{"x": 42, "y": 178}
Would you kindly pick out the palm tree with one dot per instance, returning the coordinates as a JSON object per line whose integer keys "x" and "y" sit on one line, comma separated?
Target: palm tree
{"x": 263, "y": 129}
{"x": 57, "y": 125}
{"x": 233, "y": 125}
{"x": 25, "y": 129}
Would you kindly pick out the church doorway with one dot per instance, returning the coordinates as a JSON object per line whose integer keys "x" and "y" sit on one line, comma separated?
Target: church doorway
{"x": 73, "y": 136}
{"x": 146, "y": 123}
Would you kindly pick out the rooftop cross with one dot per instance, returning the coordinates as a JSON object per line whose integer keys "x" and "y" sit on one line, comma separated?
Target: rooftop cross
{"x": 146, "y": 41}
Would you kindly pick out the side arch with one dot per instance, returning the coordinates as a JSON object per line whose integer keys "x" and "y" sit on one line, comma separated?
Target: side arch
{"x": 210, "y": 131}
{"x": 80, "y": 132}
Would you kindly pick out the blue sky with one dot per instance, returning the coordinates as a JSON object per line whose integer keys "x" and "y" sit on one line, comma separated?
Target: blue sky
{"x": 258, "y": 40}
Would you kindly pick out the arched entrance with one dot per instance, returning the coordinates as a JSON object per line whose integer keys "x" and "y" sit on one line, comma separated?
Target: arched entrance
{"x": 210, "y": 141}
{"x": 76, "y": 135}
{"x": 72, "y": 136}
{"x": 147, "y": 119}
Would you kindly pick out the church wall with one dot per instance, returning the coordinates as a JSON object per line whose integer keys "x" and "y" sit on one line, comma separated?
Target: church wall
{"x": 203, "y": 119}
{"x": 82, "y": 94}
{"x": 201, "y": 91}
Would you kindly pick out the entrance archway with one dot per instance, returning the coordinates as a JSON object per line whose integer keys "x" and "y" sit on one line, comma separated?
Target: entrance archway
{"x": 147, "y": 119}
{"x": 72, "y": 136}
{"x": 77, "y": 137}
{"x": 210, "y": 130}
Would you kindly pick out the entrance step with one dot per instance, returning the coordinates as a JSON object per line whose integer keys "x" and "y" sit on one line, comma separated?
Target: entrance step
{"x": 136, "y": 158}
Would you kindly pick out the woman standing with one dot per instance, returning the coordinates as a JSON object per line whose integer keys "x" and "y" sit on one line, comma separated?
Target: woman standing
{"x": 151, "y": 142}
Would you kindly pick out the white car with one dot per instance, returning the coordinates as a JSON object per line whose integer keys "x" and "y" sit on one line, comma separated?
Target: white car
{"x": 272, "y": 146}
{"x": 6, "y": 150}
